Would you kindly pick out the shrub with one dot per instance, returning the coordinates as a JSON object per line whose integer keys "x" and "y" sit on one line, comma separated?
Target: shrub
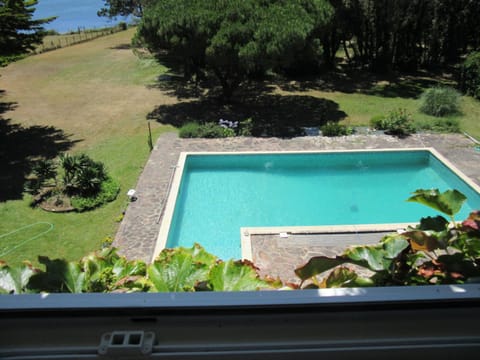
{"x": 208, "y": 130}
{"x": 212, "y": 130}
{"x": 246, "y": 127}
{"x": 190, "y": 130}
{"x": 109, "y": 190}
{"x": 440, "y": 101}
{"x": 441, "y": 125}
{"x": 470, "y": 75}
{"x": 378, "y": 122}
{"x": 398, "y": 122}
{"x": 335, "y": 129}
{"x": 82, "y": 176}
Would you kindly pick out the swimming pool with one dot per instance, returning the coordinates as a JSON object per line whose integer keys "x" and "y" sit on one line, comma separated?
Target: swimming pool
{"x": 214, "y": 195}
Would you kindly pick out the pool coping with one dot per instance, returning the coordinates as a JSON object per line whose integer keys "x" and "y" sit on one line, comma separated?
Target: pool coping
{"x": 174, "y": 187}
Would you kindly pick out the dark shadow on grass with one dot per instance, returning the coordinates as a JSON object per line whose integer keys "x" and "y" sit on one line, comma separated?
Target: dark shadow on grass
{"x": 272, "y": 115}
{"x": 19, "y": 147}
{"x": 175, "y": 85}
{"x": 361, "y": 81}
{"x": 125, "y": 46}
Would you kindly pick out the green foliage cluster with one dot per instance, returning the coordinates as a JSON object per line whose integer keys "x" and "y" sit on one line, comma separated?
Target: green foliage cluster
{"x": 108, "y": 192}
{"x": 435, "y": 252}
{"x": 232, "y": 40}
{"x": 19, "y": 33}
{"x": 208, "y": 130}
{"x": 235, "y": 39}
{"x": 82, "y": 175}
{"x": 441, "y": 125}
{"x": 470, "y": 75}
{"x": 81, "y": 178}
{"x": 335, "y": 129}
{"x": 378, "y": 122}
{"x": 114, "y": 8}
{"x": 246, "y": 127}
{"x": 181, "y": 269}
{"x": 402, "y": 34}
{"x": 440, "y": 101}
{"x": 396, "y": 122}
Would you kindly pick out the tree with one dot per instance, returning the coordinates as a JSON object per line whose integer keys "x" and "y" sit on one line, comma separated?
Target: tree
{"x": 231, "y": 39}
{"x": 113, "y": 8}
{"x": 406, "y": 34}
{"x": 18, "y": 32}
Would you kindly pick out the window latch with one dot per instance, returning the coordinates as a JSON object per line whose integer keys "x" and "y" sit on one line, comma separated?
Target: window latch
{"x": 126, "y": 343}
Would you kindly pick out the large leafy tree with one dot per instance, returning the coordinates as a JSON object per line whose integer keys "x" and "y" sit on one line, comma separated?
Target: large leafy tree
{"x": 113, "y": 8}
{"x": 19, "y": 33}
{"x": 232, "y": 39}
{"x": 404, "y": 34}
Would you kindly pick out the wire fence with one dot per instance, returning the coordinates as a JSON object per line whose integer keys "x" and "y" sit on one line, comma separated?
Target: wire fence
{"x": 53, "y": 42}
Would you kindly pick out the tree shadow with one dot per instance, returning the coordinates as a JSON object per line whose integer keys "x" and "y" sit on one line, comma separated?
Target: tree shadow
{"x": 125, "y": 46}
{"x": 271, "y": 114}
{"x": 176, "y": 85}
{"x": 19, "y": 147}
{"x": 350, "y": 81}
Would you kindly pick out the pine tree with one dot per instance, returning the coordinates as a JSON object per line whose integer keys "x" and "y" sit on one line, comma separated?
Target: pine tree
{"x": 19, "y": 33}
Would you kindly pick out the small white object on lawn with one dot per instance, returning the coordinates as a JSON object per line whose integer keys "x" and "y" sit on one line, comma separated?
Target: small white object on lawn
{"x": 131, "y": 194}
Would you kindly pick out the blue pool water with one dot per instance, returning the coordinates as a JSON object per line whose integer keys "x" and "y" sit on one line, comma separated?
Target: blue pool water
{"x": 219, "y": 194}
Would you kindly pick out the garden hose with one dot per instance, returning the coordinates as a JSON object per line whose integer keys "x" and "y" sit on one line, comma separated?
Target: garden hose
{"x": 27, "y": 240}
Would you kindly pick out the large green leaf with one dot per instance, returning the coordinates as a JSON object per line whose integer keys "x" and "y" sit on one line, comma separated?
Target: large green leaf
{"x": 342, "y": 276}
{"x": 377, "y": 257}
{"x": 196, "y": 251}
{"x": 235, "y": 276}
{"x": 178, "y": 271}
{"x": 15, "y": 279}
{"x": 372, "y": 257}
{"x": 448, "y": 202}
{"x": 124, "y": 267}
{"x": 129, "y": 276}
{"x": 393, "y": 245}
{"x": 339, "y": 277}
{"x": 317, "y": 265}
{"x": 74, "y": 278}
{"x": 59, "y": 276}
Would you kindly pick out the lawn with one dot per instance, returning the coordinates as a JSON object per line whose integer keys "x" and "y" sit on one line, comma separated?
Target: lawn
{"x": 96, "y": 94}
{"x": 361, "y": 103}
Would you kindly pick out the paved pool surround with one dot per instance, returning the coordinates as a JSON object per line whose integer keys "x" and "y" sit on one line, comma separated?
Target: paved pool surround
{"x": 138, "y": 232}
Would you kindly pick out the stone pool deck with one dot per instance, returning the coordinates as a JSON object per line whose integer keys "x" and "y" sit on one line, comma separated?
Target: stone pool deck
{"x": 137, "y": 234}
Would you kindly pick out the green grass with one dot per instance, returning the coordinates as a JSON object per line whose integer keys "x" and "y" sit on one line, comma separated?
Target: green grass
{"x": 76, "y": 234}
{"x": 360, "y": 108}
{"x": 56, "y": 41}
{"x": 97, "y": 92}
